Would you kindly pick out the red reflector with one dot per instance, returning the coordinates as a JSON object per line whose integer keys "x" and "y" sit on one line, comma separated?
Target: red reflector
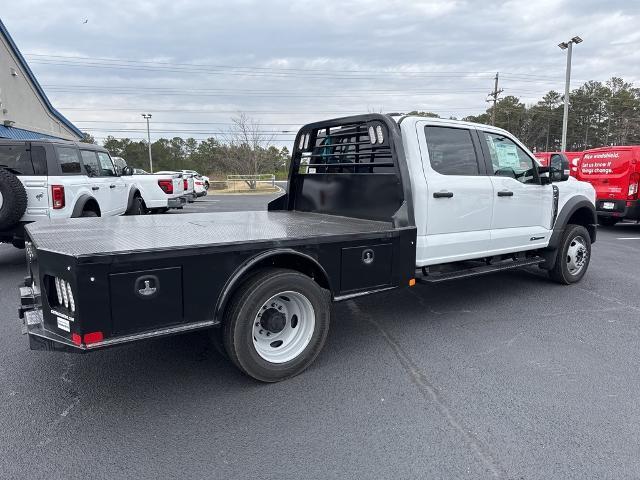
{"x": 166, "y": 186}
{"x": 93, "y": 337}
{"x": 186, "y": 184}
{"x": 629, "y": 204}
{"x": 57, "y": 195}
{"x": 75, "y": 338}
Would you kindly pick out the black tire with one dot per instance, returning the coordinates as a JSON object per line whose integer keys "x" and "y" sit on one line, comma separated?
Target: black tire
{"x": 14, "y": 199}
{"x": 88, "y": 214}
{"x": 137, "y": 207}
{"x": 607, "y": 221}
{"x": 238, "y": 333}
{"x": 561, "y": 272}
{"x": 18, "y": 243}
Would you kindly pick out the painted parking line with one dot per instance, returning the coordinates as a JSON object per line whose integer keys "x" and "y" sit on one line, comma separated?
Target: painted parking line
{"x": 628, "y": 238}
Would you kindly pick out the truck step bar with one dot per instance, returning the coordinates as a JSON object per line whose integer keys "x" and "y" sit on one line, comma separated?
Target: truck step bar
{"x": 480, "y": 270}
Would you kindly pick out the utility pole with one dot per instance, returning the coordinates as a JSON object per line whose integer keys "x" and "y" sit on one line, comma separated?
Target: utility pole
{"x": 494, "y": 99}
{"x": 147, "y": 116}
{"x": 568, "y": 46}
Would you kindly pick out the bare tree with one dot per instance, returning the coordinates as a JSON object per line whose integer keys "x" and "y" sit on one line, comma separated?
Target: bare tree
{"x": 247, "y": 147}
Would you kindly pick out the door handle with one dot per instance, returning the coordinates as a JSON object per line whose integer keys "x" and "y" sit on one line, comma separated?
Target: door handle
{"x": 505, "y": 193}
{"x": 95, "y": 188}
{"x": 112, "y": 186}
{"x": 443, "y": 194}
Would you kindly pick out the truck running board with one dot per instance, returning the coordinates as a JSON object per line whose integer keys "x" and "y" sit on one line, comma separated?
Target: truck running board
{"x": 480, "y": 270}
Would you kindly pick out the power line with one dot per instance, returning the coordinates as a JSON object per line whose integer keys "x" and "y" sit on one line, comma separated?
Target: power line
{"x": 88, "y": 61}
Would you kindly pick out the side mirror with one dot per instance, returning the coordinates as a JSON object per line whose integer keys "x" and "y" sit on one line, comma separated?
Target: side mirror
{"x": 127, "y": 171}
{"x": 559, "y": 168}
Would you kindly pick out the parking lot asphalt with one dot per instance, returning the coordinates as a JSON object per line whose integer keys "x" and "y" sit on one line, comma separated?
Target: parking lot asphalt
{"x": 509, "y": 376}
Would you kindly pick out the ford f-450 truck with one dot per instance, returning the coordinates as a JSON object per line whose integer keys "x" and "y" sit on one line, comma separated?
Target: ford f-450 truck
{"x": 375, "y": 203}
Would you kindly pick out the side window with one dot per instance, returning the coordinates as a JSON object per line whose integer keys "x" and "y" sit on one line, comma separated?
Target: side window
{"x": 106, "y": 165}
{"x": 17, "y": 159}
{"x": 509, "y": 160}
{"x": 68, "y": 160}
{"x": 451, "y": 151}
{"x": 90, "y": 162}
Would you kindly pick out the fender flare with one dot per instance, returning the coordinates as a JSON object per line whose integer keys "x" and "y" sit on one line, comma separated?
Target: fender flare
{"x": 80, "y": 204}
{"x": 132, "y": 193}
{"x": 550, "y": 253}
{"x": 237, "y": 275}
{"x": 569, "y": 208}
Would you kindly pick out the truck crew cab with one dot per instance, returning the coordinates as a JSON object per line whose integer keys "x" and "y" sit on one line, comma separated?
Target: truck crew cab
{"x": 375, "y": 203}
{"x": 57, "y": 179}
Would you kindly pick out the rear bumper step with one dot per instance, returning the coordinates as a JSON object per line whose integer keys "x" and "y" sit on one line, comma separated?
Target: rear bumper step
{"x": 481, "y": 270}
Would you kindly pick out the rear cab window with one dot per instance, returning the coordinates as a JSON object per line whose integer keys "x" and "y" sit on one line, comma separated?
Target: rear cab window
{"x": 17, "y": 159}
{"x": 451, "y": 151}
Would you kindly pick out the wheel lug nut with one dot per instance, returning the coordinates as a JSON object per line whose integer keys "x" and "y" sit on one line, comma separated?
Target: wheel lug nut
{"x": 268, "y": 334}
{"x": 261, "y": 332}
{"x": 257, "y": 324}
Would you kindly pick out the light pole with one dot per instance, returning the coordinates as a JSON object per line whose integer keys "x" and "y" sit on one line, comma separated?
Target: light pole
{"x": 147, "y": 116}
{"x": 565, "y": 119}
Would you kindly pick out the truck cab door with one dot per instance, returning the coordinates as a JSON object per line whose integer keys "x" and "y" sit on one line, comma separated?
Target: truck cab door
{"x": 96, "y": 182}
{"x": 118, "y": 194}
{"x": 459, "y": 195}
{"x": 522, "y": 207}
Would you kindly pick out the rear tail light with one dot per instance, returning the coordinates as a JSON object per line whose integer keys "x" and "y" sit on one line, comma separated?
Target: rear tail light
{"x": 633, "y": 186}
{"x": 166, "y": 186}
{"x": 64, "y": 294}
{"x": 58, "y": 282}
{"x": 57, "y": 194}
{"x": 93, "y": 337}
{"x": 185, "y": 184}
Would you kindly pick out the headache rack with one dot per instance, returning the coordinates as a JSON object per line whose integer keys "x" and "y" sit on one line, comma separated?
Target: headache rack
{"x": 349, "y": 148}
{"x": 352, "y": 166}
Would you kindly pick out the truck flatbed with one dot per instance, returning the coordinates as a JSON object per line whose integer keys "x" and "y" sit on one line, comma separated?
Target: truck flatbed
{"x": 125, "y": 235}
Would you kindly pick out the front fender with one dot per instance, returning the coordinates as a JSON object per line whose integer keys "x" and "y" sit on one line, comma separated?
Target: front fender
{"x": 572, "y": 205}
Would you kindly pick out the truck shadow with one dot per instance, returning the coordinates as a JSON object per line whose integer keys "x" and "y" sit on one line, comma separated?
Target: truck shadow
{"x": 191, "y": 360}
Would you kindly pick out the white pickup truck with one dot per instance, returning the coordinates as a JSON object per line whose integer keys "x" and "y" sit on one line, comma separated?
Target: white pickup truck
{"x": 152, "y": 193}
{"x": 189, "y": 194}
{"x": 375, "y": 203}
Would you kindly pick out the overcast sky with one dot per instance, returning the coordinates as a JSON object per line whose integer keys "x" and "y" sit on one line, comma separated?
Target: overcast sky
{"x": 194, "y": 64}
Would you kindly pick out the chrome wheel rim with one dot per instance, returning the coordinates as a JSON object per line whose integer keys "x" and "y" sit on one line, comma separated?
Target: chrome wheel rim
{"x": 577, "y": 255}
{"x": 283, "y": 327}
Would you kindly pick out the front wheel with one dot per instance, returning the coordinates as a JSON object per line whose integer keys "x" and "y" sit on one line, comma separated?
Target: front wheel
{"x": 573, "y": 256}
{"x": 276, "y": 324}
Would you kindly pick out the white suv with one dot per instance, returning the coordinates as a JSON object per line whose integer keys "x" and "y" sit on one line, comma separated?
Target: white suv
{"x": 56, "y": 179}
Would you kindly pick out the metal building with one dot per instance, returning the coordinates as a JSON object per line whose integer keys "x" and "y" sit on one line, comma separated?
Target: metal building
{"x": 25, "y": 111}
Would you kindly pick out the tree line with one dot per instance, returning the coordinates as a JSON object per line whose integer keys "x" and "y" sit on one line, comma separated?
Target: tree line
{"x": 600, "y": 114}
{"x": 244, "y": 150}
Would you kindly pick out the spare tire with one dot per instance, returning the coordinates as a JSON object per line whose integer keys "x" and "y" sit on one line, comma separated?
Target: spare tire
{"x": 13, "y": 199}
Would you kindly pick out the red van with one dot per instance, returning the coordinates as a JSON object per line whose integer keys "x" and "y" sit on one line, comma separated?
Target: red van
{"x": 614, "y": 172}
{"x": 574, "y": 159}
